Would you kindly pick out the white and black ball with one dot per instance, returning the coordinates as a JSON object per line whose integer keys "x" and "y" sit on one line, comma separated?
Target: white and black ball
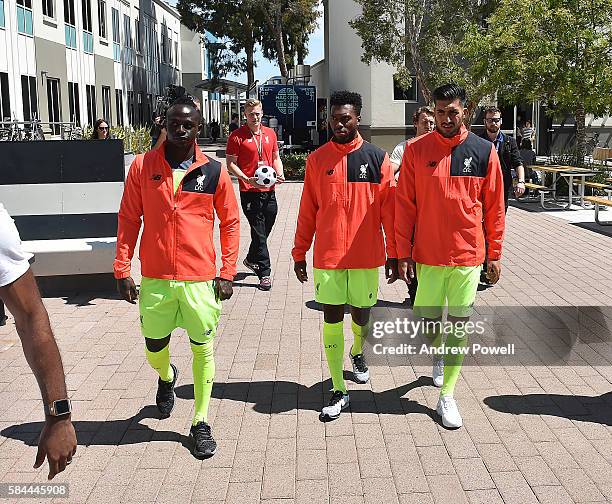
{"x": 266, "y": 176}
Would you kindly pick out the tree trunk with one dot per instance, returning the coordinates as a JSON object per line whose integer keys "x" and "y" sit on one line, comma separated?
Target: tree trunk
{"x": 250, "y": 58}
{"x": 276, "y": 27}
{"x": 580, "y": 114}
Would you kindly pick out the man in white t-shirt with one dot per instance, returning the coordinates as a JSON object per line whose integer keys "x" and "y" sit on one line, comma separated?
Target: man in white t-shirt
{"x": 19, "y": 291}
{"x": 423, "y": 121}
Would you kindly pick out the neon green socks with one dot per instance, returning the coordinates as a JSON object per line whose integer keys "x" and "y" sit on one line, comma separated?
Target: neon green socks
{"x": 160, "y": 361}
{"x": 360, "y": 333}
{"x": 203, "y": 376}
{"x": 333, "y": 341}
{"x": 452, "y": 363}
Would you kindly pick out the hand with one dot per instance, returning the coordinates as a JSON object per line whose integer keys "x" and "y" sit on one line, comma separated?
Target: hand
{"x": 223, "y": 288}
{"x": 391, "y": 270}
{"x": 58, "y": 443}
{"x": 493, "y": 271}
{"x": 253, "y": 182}
{"x": 405, "y": 268}
{"x": 300, "y": 271}
{"x": 519, "y": 190}
{"x": 280, "y": 178}
{"x": 127, "y": 289}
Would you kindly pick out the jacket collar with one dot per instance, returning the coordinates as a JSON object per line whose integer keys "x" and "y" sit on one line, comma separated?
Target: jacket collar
{"x": 200, "y": 157}
{"x": 454, "y": 141}
{"x": 351, "y": 146}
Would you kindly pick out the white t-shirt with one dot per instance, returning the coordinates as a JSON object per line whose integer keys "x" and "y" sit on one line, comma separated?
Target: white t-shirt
{"x": 13, "y": 259}
{"x": 398, "y": 153}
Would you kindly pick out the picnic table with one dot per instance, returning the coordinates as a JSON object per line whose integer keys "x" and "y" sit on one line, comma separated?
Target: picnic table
{"x": 569, "y": 172}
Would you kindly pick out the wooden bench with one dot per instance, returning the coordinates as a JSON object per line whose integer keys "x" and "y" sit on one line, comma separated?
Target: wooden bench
{"x": 597, "y": 201}
{"x": 542, "y": 189}
{"x": 607, "y": 188}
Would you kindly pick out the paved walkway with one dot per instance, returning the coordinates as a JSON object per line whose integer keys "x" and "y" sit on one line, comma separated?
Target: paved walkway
{"x": 268, "y": 391}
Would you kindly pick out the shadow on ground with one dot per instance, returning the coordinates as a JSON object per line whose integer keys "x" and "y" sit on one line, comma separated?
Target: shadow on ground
{"x": 584, "y": 408}
{"x": 266, "y": 397}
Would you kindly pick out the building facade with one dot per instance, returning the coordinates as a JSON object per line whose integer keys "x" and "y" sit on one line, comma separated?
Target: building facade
{"x": 74, "y": 61}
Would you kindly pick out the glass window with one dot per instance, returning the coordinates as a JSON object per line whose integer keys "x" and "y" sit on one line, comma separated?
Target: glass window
{"x": 401, "y": 94}
{"x": 102, "y": 18}
{"x": 48, "y": 8}
{"x": 5, "y": 99}
{"x": 87, "y": 24}
{"x": 119, "y": 106}
{"x": 54, "y": 104}
{"x": 90, "y": 92}
{"x": 106, "y": 104}
{"x": 69, "y": 17}
{"x": 73, "y": 103}
{"x": 28, "y": 97}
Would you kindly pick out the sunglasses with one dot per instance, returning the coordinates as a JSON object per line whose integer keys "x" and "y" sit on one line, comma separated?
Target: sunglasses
{"x": 102, "y": 127}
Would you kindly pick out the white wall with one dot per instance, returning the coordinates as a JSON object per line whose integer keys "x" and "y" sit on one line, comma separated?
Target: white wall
{"x": 346, "y": 70}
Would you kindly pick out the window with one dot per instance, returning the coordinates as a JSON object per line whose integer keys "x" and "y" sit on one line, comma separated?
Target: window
{"x": 24, "y": 17}
{"x": 70, "y": 20}
{"x": 164, "y": 45}
{"x": 53, "y": 104}
{"x": 176, "y": 58}
{"x": 87, "y": 24}
{"x": 102, "y": 18}
{"x": 400, "y": 94}
{"x": 141, "y": 108}
{"x": 73, "y": 103}
{"x": 1, "y": 13}
{"x": 130, "y": 104}
{"x": 90, "y": 92}
{"x": 70, "y": 36}
{"x": 5, "y": 100}
{"x": 137, "y": 36}
{"x": 28, "y": 97}
{"x": 119, "y": 106}
{"x": 127, "y": 33}
{"x": 106, "y": 103}
{"x": 149, "y": 112}
{"x": 116, "y": 36}
{"x": 48, "y": 8}
{"x": 69, "y": 17}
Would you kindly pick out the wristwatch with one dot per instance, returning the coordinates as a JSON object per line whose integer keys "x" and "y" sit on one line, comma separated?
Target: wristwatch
{"x": 521, "y": 182}
{"x": 59, "y": 407}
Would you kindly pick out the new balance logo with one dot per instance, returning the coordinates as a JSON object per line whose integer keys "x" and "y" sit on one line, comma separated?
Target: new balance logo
{"x": 156, "y": 177}
{"x": 467, "y": 165}
{"x": 330, "y": 172}
{"x": 432, "y": 164}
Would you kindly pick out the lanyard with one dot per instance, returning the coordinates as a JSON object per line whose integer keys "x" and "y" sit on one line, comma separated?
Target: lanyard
{"x": 258, "y": 145}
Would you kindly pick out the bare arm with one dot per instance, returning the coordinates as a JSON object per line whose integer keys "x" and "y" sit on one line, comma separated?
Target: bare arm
{"x": 160, "y": 139}
{"x": 58, "y": 439}
{"x": 277, "y": 164}
{"x": 234, "y": 169}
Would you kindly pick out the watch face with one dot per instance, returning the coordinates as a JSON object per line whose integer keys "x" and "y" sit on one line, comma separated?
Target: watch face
{"x": 62, "y": 407}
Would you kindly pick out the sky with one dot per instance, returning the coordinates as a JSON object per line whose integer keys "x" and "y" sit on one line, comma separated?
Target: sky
{"x": 266, "y": 69}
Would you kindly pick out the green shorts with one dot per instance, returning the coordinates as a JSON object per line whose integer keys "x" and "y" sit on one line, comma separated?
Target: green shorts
{"x": 355, "y": 287}
{"x": 442, "y": 285}
{"x": 168, "y": 304}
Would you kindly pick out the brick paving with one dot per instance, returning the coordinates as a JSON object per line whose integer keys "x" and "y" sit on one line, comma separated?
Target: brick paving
{"x": 271, "y": 381}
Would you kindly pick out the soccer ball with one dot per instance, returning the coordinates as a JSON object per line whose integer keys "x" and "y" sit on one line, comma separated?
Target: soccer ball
{"x": 266, "y": 176}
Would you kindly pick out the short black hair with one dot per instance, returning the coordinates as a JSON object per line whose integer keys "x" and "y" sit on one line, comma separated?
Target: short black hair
{"x": 186, "y": 100}
{"x": 340, "y": 98}
{"x": 450, "y": 92}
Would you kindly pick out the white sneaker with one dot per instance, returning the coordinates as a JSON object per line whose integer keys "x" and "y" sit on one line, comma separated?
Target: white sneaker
{"x": 437, "y": 372}
{"x": 339, "y": 401}
{"x": 361, "y": 373}
{"x": 447, "y": 409}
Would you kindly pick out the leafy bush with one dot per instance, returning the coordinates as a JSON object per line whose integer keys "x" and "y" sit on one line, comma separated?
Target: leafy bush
{"x": 294, "y": 166}
{"x": 135, "y": 140}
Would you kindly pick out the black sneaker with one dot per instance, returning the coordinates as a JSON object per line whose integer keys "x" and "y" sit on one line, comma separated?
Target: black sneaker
{"x": 361, "y": 374}
{"x": 3, "y": 320}
{"x": 204, "y": 445}
{"x": 165, "y": 394}
{"x": 253, "y": 267}
{"x": 338, "y": 402}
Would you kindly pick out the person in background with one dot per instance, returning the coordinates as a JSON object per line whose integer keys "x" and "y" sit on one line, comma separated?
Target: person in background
{"x": 527, "y": 133}
{"x": 423, "y": 122}
{"x": 18, "y": 290}
{"x": 528, "y": 156}
{"x": 101, "y": 130}
{"x": 235, "y": 124}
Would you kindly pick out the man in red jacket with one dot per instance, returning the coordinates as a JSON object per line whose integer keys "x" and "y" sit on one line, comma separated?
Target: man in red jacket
{"x": 177, "y": 191}
{"x": 347, "y": 200}
{"x": 449, "y": 180}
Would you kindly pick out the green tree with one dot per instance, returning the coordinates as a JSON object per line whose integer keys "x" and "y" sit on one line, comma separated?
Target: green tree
{"x": 424, "y": 38}
{"x": 290, "y": 24}
{"x": 557, "y": 51}
{"x": 236, "y": 22}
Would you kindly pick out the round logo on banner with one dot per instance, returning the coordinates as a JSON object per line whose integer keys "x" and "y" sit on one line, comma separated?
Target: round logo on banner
{"x": 287, "y": 101}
